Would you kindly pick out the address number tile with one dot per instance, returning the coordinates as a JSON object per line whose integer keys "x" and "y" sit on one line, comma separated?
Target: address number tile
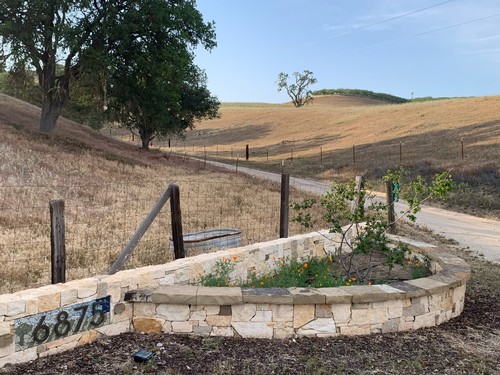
{"x": 56, "y": 324}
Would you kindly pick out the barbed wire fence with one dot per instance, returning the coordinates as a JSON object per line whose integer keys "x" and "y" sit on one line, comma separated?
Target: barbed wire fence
{"x": 100, "y": 219}
{"x": 287, "y": 156}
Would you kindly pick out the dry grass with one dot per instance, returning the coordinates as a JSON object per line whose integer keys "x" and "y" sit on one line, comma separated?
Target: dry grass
{"x": 317, "y": 141}
{"x": 108, "y": 188}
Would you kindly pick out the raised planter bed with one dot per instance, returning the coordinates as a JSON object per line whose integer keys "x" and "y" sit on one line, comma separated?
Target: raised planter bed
{"x": 282, "y": 313}
{"x": 162, "y": 299}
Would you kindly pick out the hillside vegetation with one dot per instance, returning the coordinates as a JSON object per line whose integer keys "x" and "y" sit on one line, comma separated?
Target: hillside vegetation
{"x": 335, "y": 137}
{"x": 362, "y": 94}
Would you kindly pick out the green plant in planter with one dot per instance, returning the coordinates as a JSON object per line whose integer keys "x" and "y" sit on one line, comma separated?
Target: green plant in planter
{"x": 220, "y": 276}
{"x": 309, "y": 272}
{"x": 419, "y": 267}
{"x": 363, "y": 227}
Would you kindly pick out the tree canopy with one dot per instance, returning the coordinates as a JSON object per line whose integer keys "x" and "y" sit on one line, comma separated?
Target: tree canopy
{"x": 154, "y": 87}
{"x": 135, "y": 54}
{"x": 43, "y": 34}
{"x": 299, "y": 90}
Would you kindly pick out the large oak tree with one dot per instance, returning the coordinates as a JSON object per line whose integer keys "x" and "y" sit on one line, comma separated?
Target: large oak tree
{"x": 45, "y": 33}
{"x": 154, "y": 87}
{"x": 62, "y": 38}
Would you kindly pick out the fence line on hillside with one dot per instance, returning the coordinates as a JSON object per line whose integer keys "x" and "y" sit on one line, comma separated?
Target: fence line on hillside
{"x": 100, "y": 219}
{"x": 384, "y": 154}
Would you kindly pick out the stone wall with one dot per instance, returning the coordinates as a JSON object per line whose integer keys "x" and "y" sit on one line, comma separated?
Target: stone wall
{"x": 54, "y": 318}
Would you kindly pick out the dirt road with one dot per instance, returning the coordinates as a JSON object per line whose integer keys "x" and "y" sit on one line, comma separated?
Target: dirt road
{"x": 480, "y": 236}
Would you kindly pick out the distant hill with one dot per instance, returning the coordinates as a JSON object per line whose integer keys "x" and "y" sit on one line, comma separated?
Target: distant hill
{"x": 362, "y": 94}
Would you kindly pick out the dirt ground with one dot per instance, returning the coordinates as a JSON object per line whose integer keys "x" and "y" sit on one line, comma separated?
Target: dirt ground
{"x": 469, "y": 344}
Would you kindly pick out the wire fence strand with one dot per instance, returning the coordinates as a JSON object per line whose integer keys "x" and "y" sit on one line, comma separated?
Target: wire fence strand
{"x": 100, "y": 220}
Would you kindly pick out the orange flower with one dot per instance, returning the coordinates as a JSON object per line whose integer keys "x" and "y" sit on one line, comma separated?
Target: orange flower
{"x": 235, "y": 258}
{"x": 353, "y": 279}
{"x": 306, "y": 265}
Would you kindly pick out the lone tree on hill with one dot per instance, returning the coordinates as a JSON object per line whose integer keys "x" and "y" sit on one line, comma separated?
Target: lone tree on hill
{"x": 60, "y": 38}
{"x": 298, "y": 91}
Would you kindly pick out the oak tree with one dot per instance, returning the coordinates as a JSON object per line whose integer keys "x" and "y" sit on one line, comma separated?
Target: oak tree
{"x": 298, "y": 91}
{"x": 64, "y": 39}
{"x": 45, "y": 34}
{"x": 154, "y": 87}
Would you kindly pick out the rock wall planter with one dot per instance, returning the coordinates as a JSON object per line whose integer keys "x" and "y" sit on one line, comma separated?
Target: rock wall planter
{"x": 274, "y": 313}
{"x": 55, "y": 318}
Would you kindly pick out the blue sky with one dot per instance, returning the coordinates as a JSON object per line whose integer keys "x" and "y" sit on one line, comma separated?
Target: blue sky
{"x": 425, "y": 47}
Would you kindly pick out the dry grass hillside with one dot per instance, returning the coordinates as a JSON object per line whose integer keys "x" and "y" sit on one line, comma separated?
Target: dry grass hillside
{"x": 337, "y": 137}
{"x": 428, "y": 130}
{"x": 108, "y": 187}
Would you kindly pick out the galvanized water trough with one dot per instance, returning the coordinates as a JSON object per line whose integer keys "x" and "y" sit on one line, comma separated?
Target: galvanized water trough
{"x": 223, "y": 238}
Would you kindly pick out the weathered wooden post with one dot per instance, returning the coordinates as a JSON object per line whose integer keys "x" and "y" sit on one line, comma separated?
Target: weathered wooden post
{"x": 359, "y": 186}
{"x": 175, "y": 209}
{"x": 130, "y": 246}
{"x": 57, "y": 242}
{"x": 391, "y": 216}
{"x": 284, "y": 207}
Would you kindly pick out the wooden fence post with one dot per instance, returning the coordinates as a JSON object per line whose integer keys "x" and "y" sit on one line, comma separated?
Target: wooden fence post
{"x": 247, "y": 153}
{"x": 130, "y": 246}
{"x": 57, "y": 242}
{"x": 284, "y": 208}
{"x": 391, "y": 216}
{"x": 359, "y": 186}
{"x": 177, "y": 236}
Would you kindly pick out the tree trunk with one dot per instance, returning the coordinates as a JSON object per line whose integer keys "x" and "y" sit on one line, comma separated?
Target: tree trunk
{"x": 146, "y": 137}
{"x": 51, "y": 109}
